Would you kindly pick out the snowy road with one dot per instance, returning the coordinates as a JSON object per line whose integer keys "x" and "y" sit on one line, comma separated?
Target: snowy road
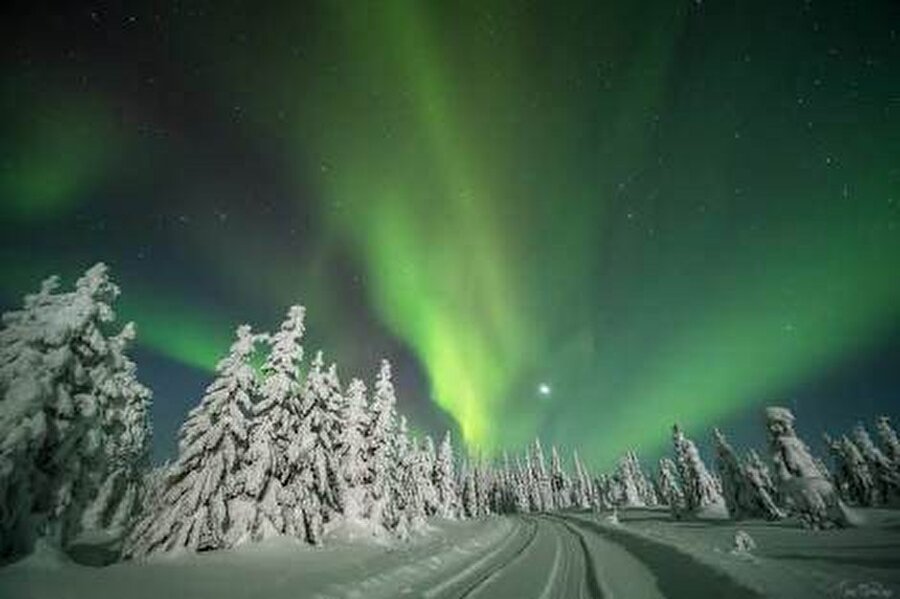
{"x": 554, "y": 556}
{"x": 545, "y": 557}
{"x": 533, "y": 556}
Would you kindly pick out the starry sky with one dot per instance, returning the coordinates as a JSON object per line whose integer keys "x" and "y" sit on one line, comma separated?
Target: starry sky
{"x": 579, "y": 220}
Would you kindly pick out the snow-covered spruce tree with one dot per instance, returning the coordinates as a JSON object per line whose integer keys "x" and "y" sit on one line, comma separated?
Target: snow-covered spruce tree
{"x": 353, "y": 454}
{"x": 805, "y": 488}
{"x": 126, "y": 430}
{"x": 410, "y": 500}
{"x": 645, "y": 484}
{"x": 445, "y": 480}
{"x": 700, "y": 489}
{"x": 274, "y": 423}
{"x": 531, "y": 485}
{"x": 669, "y": 489}
{"x": 885, "y": 475}
{"x": 400, "y": 485}
{"x": 486, "y": 486}
{"x": 645, "y": 490}
{"x": 589, "y": 490}
{"x": 382, "y": 448}
{"x": 469, "y": 493}
{"x": 502, "y": 502}
{"x": 472, "y": 492}
{"x": 606, "y": 491}
{"x": 505, "y": 487}
{"x": 477, "y": 467}
{"x": 73, "y": 418}
{"x": 542, "y": 479}
{"x": 745, "y": 496}
{"x": 851, "y": 477}
{"x": 581, "y": 493}
{"x": 521, "y": 496}
{"x": 429, "y": 459}
{"x": 315, "y": 487}
{"x": 423, "y": 497}
{"x": 37, "y": 420}
{"x": 889, "y": 440}
{"x": 460, "y": 481}
{"x": 195, "y": 510}
{"x": 730, "y": 472}
{"x": 759, "y": 470}
{"x": 500, "y": 487}
{"x": 559, "y": 481}
{"x": 628, "y": 494}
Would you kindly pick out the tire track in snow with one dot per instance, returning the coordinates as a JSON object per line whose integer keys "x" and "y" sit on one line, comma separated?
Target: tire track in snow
{"x": 592, "y": 582}
{"x": 554, "y": 570}
{"x": 552, "y": 564}
{"x": 494, "y": 572}
{"x": 474, "y": 569}
{"x": 411, "y": 577}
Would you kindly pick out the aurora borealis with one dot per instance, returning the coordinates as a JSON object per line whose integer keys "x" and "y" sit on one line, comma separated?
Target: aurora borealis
{"x": 660, "y": 210}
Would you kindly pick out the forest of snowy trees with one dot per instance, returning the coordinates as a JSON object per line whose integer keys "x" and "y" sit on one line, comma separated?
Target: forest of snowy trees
{"x": 286, "y": 448}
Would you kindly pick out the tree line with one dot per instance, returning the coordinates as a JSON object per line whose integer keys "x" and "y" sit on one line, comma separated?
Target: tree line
{"x": 287, "y": 449}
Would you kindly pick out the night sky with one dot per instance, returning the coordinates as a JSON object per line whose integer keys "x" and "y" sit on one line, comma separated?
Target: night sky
{"x": 583, "y": 221}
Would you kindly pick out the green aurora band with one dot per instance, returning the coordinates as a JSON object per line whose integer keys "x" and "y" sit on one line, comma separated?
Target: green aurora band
{"x": 612, "y": 200}
{"x": 464, "y": 186}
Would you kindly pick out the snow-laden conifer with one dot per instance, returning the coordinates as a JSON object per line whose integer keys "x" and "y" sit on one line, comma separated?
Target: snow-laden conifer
{"x": 469, "y": 491}
{"x": 399, "y": 484}
{"x": 885, "y": 475}
{"x": 315, "y": 485}
{"x": 627, "y": 494}
{"x": 541, "y": 479}
{"x": 700, "y": 489}
{"x": 427, "y": 461}
{"x": 445, "y": 480}
{"x": 484, "y": 484}
{"x": 804, "y": 486}
{"x": 559, "y": 481}
{"x": 852, "y": 478}
{"x": 73, "y": 417}
{"x": 745, "y": 495}
{"x": 126, "y": 432}
{"x": 197, "y": 505}
{"x": 581, "y": 493}
{"x": 889, "y": 440}
{"x": 274, "y": 424}
{"x": 382, "y": 443}
{"x": 353, "y": 458}
{"x": 669, "y": 488}
{"x": 422, "y": 495}
{"x": 634, "y": 488}
{"x": 521, "y": 497}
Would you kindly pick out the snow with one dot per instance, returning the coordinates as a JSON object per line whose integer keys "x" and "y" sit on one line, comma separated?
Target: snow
{"x": 789, "y": 561}
{"x": 639, "y": 552}
{"x": 274, "y": 568}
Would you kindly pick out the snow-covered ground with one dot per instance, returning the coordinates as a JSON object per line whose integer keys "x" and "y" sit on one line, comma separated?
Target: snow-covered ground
{"x": 788, "y": 561}
{"x": 646, "y": 555}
